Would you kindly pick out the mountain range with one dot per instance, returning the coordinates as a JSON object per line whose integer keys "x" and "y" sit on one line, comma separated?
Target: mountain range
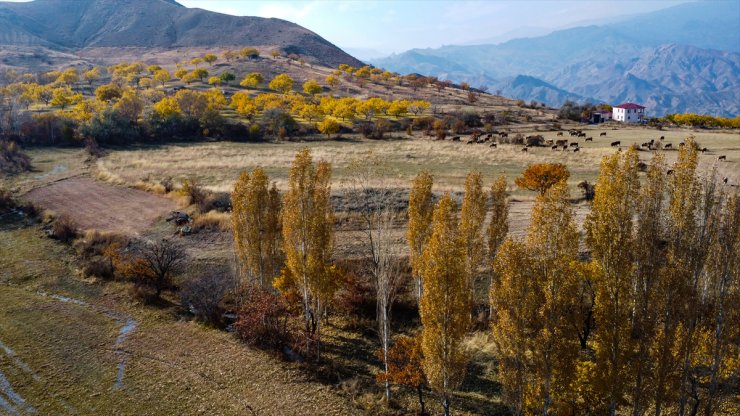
{"x": 681, "y": 59}
{"x": 71, "y": 25}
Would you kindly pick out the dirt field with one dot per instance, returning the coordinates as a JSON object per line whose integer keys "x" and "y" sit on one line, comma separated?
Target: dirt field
{"x": 101, "y": 206}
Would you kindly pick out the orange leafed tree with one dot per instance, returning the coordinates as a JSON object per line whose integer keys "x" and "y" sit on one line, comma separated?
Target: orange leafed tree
{"x": 404, "y": 365}
{"x": 541, "y": 176}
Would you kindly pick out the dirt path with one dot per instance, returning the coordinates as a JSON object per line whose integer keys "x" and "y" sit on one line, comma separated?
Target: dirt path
{"x": 101, "y": 206}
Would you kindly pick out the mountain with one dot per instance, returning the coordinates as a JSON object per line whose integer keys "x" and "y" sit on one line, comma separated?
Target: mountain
{"x": 683, "y": 58}
{"x": 78, "y": 24}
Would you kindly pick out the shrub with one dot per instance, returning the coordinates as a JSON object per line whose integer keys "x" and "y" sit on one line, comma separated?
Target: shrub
{"x": 99, "y": 267}
{"x": 275, "y": 119}
{"x": 7, "y": 203}
{"x": 263, "y": 320}
{"x": 203, "y": 296}
{"x": 12, "y": 158}
{"x": 63, "y": 229}
{"x": 110, "y": 127}
{"x": 196, "y": 194}
{"x": 212, "y": 221}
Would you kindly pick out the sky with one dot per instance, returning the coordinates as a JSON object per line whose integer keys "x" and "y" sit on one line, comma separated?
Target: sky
{"x": 396, "y": 26}
{"x": 379, "y": 27}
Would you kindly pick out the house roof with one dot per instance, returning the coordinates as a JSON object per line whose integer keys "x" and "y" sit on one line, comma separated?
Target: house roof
{"x": 629, "y": 106}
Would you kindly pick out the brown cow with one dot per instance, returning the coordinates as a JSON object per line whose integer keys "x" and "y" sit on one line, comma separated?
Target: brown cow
{"x": 667, "y": 146}
{"x": 589, "y": 139}
{"x": 617, "y": 143}
{"x": 524, "y": 149}
{"x": 560, "y": 134}
{"x": 602, "y": 134}
{"x": 493, "y": 144}
{"x": 577, "y": 149}
{"x": 662, "y": 137}
{"x": 723, "y": 157}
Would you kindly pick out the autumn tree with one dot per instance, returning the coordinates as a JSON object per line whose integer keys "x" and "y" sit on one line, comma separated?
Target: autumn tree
{"x": 308, "y": 238}
{"x": 311, "y": 87}
{"x": 332, "y": 81}
{"x": 609, "y": 235}
{"x": 552, "y": 241}
{"x": 445, "y": 303}
{"x": 472, "y": 216}
{"x": 252, "y": 80}
{"x": 499, "y": 225}
{"x": 513, "y": 297}
{"x": 650, "y": 234}
{"x": 404, "y": 367}
{"x": 541, "y": 176}
{"x": 328, "y": 126}
{"x": 255, "y": 219}
{"x": 282, "y": 83}
{"x": 157, "y": 263}
{"x": 92, "y": 75}
{"x": 210, "y": 58}
{"x": 421, "y": 208}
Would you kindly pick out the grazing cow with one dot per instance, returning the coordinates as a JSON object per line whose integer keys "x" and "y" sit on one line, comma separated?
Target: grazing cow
{"x": 549, "y": 142}
{"x": 524, "y": 149}
{"x": 704, "y": 150}
{"x": 574, "y": 144}
{"x": 470, "y": 141}
{"x": 723, "y": 157}
{"x": 555, "y": 147}
{"x": 682, "y": 144}
{"x": 667, "y": 146}
{"x": 573, "y": 133}
{"x": 503, "y": 135}
{"x": 662, "y": 137}
{"x": 589, "y": 139}
{"x": 577, "y": 149}
{"x": 489, "y": 135}
{"x": 560, "y": 134}
{"x": 581, "y": 134}
{"x": 561, "y": 142}
{"x": 617, "y": 143}
{"x": 670, "y": 172}
{"x": 724, "y": 180}
{"x": 493, "y": 144}
{"x": 565, "y": 147}
{"x": 602, "y": 134}
{"x": 456, "y": 139}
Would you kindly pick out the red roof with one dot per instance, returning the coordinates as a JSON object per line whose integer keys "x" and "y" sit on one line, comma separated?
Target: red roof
{"x": 629, "y": 106}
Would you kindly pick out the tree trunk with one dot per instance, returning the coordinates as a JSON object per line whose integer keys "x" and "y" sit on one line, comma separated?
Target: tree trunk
{"x": 420, "y": 391}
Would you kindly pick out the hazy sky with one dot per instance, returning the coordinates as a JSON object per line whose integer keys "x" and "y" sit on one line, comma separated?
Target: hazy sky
{"x": 393, "y": 26}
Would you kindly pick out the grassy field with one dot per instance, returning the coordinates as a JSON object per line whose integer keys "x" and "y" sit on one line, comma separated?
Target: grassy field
{"x": 62, "y": 347}
{"x": 217, "y": 165}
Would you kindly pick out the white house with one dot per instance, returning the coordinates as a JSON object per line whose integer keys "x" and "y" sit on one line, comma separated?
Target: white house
{"x": 628, "y": 113}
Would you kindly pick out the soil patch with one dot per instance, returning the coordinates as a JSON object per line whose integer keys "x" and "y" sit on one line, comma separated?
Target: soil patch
{"x": 101, "y": 206}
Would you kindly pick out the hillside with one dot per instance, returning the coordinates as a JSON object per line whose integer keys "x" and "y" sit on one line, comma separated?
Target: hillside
{"x": 74, "y": 25}
{"x": 684, "y": 58}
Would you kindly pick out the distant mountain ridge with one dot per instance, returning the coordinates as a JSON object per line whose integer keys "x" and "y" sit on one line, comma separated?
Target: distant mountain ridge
{"x": 681, "y": 59}
{"x": 78, "y": 24}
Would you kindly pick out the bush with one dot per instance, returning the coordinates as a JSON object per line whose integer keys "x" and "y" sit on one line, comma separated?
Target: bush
{"x": 63, "y": 229}
{"x": 212, "y": 221}
{"x": 203, "y": 296}
{"x": 100, "y": 267}
{"x": 12, "y": 158}
{"x": 263, "y": 320}
{"x": 7, "y": 203}
{"x": 196, "y": 194}
{"x": 110, "y": 127}
{"x": 273, "y": 120}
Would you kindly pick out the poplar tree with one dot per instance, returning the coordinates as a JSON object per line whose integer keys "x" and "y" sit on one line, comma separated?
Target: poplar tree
{"x": 499, "y": 225}
{"x": 609, "y": 234}
{"x": 552, "y": 241}
{"x": 308, "y": 237}
{"x": 255, "y": 221}
{"x": 421, "y": 208}
{"x": 513, "y": 298}
{"x": 472, "y": 216}
{"x": 445, "y": 303}
{"x": 649, "y": 260}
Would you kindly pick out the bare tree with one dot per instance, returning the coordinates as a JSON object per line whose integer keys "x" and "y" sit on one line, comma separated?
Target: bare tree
{"x": 369, "y": 197}
{"x": 158, "y": 262}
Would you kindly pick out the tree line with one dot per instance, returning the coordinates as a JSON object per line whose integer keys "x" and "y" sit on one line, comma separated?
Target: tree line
{"x": 639, "y": 316}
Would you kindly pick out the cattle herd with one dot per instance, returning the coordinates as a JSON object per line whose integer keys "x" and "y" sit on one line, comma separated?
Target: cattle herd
{"x": 495, "y": 138}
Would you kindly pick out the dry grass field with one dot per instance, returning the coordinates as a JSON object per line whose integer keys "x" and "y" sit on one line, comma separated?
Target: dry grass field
{"x": 62, "y": 348}
{"x": 217, "y": 165}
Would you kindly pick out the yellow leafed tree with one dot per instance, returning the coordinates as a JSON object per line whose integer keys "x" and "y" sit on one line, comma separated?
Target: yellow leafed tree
{"x": 609, "y": 234}
{"x": 472, "y": 216}
{"x": 445, "y": 303}
{"x": 421, "y": 208}
{"x": 308, "y": 237}
{"x": 255, "y": 218}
